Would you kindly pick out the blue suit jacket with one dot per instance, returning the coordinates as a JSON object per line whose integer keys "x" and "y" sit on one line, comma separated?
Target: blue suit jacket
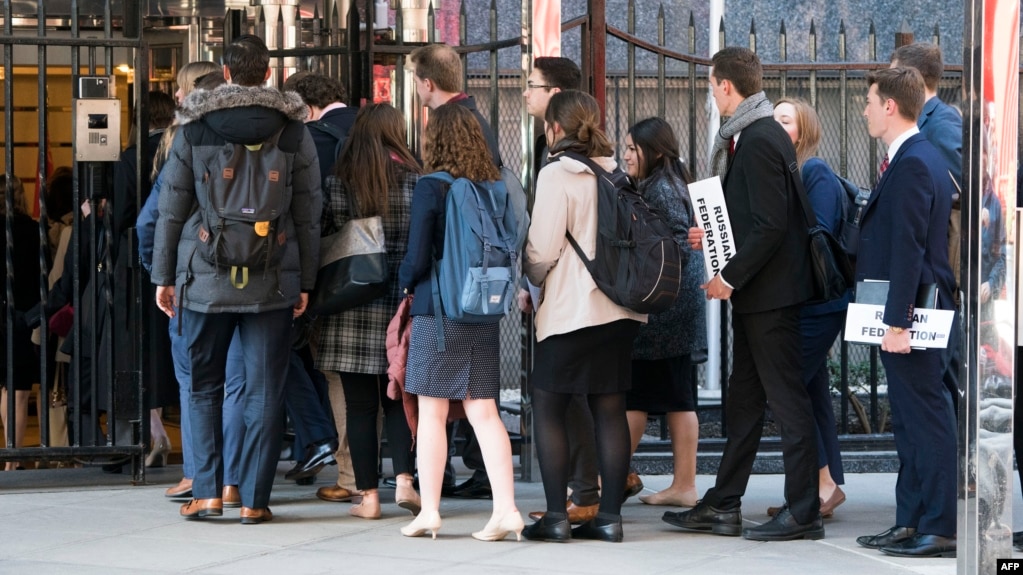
{"x": 904, "y": 234}
{"x": 942, "y": 125}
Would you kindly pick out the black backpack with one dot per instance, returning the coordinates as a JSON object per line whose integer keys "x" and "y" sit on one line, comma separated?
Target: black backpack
{"x": 243, "y": 194}
{"x": 638, "y": 265}
{"x": 854, "y": 199}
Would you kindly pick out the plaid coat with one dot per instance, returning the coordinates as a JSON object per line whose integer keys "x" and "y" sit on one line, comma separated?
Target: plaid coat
{"x": 354, "y": 341}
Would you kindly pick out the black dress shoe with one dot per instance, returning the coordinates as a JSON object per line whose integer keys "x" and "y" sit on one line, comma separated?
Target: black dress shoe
{"x": 557, "y": 530}
{"x": 317, "y": 457}
{"x": 600, "y": 528}
{"x": 784, "y": 527}
{"x": 887, "y": 537}
{"x": 475, "y": 487}
{"x": 1017, "y": 540}
{"x": 921, "y": 545}
{"x": 306, "y": 480}
{"x": 703, "y": 518}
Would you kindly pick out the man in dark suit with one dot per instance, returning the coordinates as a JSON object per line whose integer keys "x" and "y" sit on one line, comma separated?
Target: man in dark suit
{"x": 768, "y": 279}
{"x": 330, "y": 119}
{"x": 903, "y": 241}
{"x": 942, "y": 125}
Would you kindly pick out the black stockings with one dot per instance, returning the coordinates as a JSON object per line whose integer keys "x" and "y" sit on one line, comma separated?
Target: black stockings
{"x": 613, "y": 447}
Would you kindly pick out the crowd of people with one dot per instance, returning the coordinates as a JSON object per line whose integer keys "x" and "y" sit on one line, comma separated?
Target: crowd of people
{"x": 599, "y": 370}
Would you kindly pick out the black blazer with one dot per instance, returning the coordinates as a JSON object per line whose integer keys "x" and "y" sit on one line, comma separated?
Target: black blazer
{"x": 771, "y": 266}
{"x": 904, "y": 231}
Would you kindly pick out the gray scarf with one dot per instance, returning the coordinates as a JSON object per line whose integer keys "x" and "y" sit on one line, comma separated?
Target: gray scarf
{"x": 748, "y": 111}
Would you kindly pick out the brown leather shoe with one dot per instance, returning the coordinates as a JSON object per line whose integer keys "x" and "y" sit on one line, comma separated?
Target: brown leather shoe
{"x": 182, "y": 490}
{"x": 633, "y": 484}
{"x": 252, "y": 516}
{"x": 335, "y": 493}
{"x": 231, "y": 496}
{"x": 198, "y": 508}
{"x": 576, "y": 513}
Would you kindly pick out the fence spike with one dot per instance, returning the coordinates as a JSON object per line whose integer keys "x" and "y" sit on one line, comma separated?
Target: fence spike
{"x": 936, "y": 36}
{"x": 813, "y": 27}
{"x": 752, "y": 26}
{"x": 841, "y": 26}
{"x": 781, "y": 29}
{"x": 752, "y": 35}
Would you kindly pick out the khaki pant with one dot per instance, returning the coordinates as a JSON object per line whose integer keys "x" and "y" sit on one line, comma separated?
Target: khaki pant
{"x": 954, "y": 249}
{"x": 345, "y": 471}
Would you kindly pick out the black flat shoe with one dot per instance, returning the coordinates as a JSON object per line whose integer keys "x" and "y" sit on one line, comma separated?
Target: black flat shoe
{"x": 887, "y": 537}
{"x": 784, "y": 527}
{"x": 921, "y": 545}
{"x": 610, "y": 532}
{"x": 707, "y": 519}
{"x": 473, "y": 488}
{"x": 558, "y": 531}
{"x": 318, "y": 456}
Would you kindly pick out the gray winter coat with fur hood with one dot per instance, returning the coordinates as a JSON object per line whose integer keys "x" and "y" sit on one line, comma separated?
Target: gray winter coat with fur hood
{"x": 244, "y": 115}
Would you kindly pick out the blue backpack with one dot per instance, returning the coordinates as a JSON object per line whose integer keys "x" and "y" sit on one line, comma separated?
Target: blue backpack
{"x": 474, "y": 279}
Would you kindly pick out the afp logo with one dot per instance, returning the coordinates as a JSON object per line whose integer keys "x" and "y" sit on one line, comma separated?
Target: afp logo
{"x": 1010, "y": 566}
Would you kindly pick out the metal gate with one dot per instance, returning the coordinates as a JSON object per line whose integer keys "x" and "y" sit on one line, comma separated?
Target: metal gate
{"x": 60, "y": 105}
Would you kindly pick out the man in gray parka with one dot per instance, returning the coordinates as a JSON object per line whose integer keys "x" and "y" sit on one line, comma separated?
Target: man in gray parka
{"x": 245, "y": 112}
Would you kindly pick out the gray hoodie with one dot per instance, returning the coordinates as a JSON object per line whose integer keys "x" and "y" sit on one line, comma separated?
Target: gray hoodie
{"x": 243, "y": 115}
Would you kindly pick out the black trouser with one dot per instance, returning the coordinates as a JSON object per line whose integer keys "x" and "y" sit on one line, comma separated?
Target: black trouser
{"x": 364, "y": 395}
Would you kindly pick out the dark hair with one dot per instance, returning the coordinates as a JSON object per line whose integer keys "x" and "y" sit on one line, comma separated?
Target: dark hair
{"x": 161, "y": 109}
{"x": 316, "y": 89}
{"x": 578, "y": 114}
{"x": 904, "y": 85}
{"x": 559, "y": 72}
{"x": 440, "y": 64}
{"x": 371, "y": 158}
{"x": 247, "y": 59}
{"x": 923, "y": 56}
{"x": 454, "y": 143}
{"x": 210, "y": 81}
{"x": 59, "y": 193}
{"x": 655, "y": 138}
{"x": 12, "y": 185}
{"x": 741, "y": 67}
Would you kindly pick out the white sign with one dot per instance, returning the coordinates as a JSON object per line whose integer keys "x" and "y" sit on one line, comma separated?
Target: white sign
{"x": 931, "y": 327}
{"x": 712, "y": 215}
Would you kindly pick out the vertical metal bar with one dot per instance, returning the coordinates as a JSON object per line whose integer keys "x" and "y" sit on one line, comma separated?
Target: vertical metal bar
{"x": 74, "y": 400}
{"x": 598, "y": 54}
{"x": 812, "y": 53}
{"x": 9, "y": 226}
{"x": 662, "y": 88}
{"x": 872, "y": 146}
{"x": 783, "y": 54}
{"x": 692, "y": 94}
{"x": 753, "y": 35}
{"x": 495, "y": 93}
{"x": 631, "y": 89}
{"x": 843, "y": 110}
{"x": 42, "y": 187}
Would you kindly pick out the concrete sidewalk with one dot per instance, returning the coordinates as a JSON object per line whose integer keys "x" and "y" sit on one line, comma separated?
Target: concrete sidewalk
{"x": 82, "y": 521}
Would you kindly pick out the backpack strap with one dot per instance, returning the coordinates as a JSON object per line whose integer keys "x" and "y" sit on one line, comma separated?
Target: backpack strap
{"x": 600, "y": 173}
{"x": 438, "y": 317}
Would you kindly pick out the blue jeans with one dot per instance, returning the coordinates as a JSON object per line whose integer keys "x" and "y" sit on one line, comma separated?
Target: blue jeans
{"x": 308, "y": 409}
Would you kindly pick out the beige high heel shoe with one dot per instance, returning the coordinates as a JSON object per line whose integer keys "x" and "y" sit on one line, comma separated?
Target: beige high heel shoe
{"x": 158, "y": 455}
{"x": 509, "y": 523}
{"x": 428, "y": 521}
{"x": 405, "y": 495}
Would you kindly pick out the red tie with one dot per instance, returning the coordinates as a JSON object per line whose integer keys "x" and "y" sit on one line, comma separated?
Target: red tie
{"x": 731, "y": 147}
{"x": 884, "y": 166}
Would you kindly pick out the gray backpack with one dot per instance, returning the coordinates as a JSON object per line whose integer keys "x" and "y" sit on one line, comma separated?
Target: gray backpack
{"x": 245, "y": 189}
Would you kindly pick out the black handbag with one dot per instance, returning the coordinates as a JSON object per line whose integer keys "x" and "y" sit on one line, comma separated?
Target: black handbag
{"x": 832, "y": 271}
{"x": 353, "y": 267}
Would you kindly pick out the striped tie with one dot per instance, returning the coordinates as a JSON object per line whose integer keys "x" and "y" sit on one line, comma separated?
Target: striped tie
{"x": 884, "y": 166}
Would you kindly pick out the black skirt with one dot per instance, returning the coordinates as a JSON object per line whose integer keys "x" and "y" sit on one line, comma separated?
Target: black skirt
{"x": 591, "y": 360}
{"x": 662, "y": 386}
